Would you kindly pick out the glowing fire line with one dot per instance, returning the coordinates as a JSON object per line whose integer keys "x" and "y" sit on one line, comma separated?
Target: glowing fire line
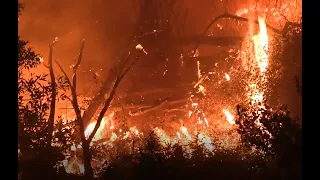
{"x": 184, "y": 137}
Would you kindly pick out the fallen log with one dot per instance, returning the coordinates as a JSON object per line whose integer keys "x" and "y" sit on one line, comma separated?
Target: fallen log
{"x": 208, "y": 40}
{"x": 163, "y": 103}
{"x": 194, "y": 39}
{"x": 142, "y": 108}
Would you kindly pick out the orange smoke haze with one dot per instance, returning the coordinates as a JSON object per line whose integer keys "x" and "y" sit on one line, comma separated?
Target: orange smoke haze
{"x": 108, "y": 25}
{"x": 105, "y": 25}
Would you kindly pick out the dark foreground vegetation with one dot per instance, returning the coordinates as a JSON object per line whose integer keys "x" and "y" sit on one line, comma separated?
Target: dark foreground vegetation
{"x": 282, "y": 159}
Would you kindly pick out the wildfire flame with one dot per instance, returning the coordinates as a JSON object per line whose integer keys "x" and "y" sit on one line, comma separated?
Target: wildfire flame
{"x": 257, "y": 81}
{"x": 227, "y": 77}
{"x": 100, "y": 132}
{"x": 229, "y": 116}
{"x": 261, "y": 45}
{"x": 186, "y": 135}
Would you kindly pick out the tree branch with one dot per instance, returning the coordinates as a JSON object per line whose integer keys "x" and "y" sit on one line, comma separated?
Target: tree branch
{"x": 99, "y": 98}
{"x": 110, "y": 98}
{"x": 74, "y": 100}
{"x": 75, "y": 67}
{"x": 105, "y": 107}
{"x": 158, "y": 106}
{"x": 103, "y": 111}
{"x": 234, "y": 17}
{"x": 53, "y": 96}
{"x": 64, "y": 73}
{"x": 146, "y": 110}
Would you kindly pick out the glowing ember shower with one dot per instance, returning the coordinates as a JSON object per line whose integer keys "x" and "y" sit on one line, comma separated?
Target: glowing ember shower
{"x": 258, "y": 79}
{"x": 261, "y": 46}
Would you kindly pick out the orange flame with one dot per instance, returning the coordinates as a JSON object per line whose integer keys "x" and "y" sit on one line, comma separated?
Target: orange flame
{"x": 229, "y": 116}
{"x": 261, "y": 45}
{"x": 227, "y": 77}
{"x": 100, "y": 132}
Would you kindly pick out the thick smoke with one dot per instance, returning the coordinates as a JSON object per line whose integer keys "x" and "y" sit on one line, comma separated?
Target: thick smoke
{"x": 108, "y": 26}
{"x": 105, "y": 25}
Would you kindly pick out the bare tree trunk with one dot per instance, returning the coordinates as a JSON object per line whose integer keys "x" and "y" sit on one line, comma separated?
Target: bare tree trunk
{"x": 85, "y": 119}
{"x": 87, "y": 160}
{"x": 53, "y": 97}
{"x": 85, "y": 143}
{"x": 52, "y": 107}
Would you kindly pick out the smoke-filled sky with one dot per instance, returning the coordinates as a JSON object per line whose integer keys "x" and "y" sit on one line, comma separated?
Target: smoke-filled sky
{"x": 106, "y": 25}
{"x": 97, "y": 21}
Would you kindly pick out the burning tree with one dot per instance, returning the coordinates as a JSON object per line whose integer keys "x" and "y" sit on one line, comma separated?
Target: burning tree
{"x": 276, "y": 135}
{"x": 274, "y": 132}
{"x": 82, "y": 118}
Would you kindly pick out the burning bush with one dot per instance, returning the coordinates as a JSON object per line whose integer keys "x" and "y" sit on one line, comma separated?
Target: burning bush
{"x": 273, "y": 132}
{"x": 151, "y": 162}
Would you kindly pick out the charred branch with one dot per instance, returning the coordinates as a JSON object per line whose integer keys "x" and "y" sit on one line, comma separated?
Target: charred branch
{"x": 76, "y": 66}
{"x": 182, "y": 88}
{"x": 207, "y": 59}
{"x": 104, "y": 110}
{"x": 115, "y": 108}
{"x": 146, "y": 110}
{"x": 170, "y": 110}
{"x": 160, "y": 105}
{"x": 112, "y": 94}
{"x": 100, "y": 97}
{"x": 74, "y": 100}
{"x": 233, "y": 17}
{"x": 79, "y": 118}
{"x": 209, "y": 40}
{"x": 237, "y": 18}
{"x": 53, "y": 95}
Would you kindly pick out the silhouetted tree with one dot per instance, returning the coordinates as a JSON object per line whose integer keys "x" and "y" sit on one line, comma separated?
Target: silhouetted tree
{"x": 35, "y": 129}
{"x": 106, "y": 94}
